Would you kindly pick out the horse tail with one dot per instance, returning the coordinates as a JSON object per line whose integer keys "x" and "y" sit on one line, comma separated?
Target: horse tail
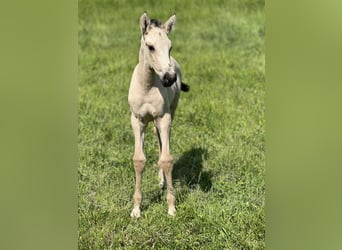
{"x": 185, "y": 87}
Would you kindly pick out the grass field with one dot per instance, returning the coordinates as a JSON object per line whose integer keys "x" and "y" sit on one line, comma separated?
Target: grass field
{"x": 217, "y": 135}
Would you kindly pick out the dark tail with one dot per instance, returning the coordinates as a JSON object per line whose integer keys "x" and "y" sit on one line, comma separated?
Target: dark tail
{"x": 185, "y": 87}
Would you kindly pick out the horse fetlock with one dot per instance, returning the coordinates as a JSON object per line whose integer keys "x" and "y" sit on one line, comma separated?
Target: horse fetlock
{"x": 137, "y": 197}
{"x": 136, "y": 213}
{"x": 171, "y": 200}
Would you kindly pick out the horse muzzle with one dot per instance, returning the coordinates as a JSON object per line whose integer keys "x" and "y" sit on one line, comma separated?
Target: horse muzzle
{"x": 168, "y": 79}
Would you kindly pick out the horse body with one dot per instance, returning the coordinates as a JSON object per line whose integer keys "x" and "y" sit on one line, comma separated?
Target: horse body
{"x": 153, "y": 96}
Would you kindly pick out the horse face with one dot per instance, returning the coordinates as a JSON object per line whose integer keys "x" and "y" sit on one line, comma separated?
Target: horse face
{"x": 157, "y": 48}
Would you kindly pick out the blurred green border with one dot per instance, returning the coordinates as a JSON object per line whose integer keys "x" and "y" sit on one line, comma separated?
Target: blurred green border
{"x": 38, "y": 124}
{"x": 38, "y": 128}
{"x": 303, "y": 124}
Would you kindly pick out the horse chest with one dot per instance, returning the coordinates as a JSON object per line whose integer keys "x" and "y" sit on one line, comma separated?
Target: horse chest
{"x": 149, "y": 106}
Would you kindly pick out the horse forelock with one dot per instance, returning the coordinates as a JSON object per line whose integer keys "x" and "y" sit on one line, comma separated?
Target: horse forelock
{"x": 156, "y": 23}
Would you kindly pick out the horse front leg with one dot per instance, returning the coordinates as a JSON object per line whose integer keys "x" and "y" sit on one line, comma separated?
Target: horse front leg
{"x": 166, "y": 160}
{"x": 139, "y": 162}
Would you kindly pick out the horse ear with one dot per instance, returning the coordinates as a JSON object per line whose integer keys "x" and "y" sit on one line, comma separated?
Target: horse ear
{"x": 170, "y": 23}
{"x": 144, "y": 23}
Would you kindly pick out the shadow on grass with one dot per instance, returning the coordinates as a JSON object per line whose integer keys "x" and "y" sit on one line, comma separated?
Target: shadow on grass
{"x": 187, "y": 174}
{"x": 188, "y": 170}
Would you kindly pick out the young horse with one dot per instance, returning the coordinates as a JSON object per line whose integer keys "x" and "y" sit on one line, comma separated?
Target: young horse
{"x": 153, "y": 96}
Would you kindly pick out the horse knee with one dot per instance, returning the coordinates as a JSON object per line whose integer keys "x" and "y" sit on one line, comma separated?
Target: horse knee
{"x": 166, "y": 164}
{"x": 139, "y": 166}
{"x": 139, "y": 162}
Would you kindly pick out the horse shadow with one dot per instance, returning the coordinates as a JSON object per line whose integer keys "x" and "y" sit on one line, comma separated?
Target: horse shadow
{"x": 188, "y": 171}
{"x": 187, "y": 175}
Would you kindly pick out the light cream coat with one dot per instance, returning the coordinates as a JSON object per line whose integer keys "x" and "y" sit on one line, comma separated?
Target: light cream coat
{"x": 153, "y": 96}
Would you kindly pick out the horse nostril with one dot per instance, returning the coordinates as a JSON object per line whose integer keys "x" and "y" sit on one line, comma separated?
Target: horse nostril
{"x": 169, "y": 79}
{"x": 166, "y": 77}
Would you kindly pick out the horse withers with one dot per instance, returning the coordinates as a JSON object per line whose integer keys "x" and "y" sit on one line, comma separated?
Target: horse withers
{"x": 153, "y": 96}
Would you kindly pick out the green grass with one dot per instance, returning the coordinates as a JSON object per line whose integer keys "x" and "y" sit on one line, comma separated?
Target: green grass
{"x": 217, "y": 135}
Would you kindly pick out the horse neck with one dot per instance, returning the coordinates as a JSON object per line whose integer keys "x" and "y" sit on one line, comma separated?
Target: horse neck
{"x": 146, "y": 73}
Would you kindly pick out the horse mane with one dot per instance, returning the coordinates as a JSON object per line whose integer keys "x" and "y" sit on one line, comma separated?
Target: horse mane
{"x": 156, "y": 23}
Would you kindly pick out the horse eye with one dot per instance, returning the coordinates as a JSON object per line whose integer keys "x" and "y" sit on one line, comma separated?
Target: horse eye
{"x": 150, "y": 47}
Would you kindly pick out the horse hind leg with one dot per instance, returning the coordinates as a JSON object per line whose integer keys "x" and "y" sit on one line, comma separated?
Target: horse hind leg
{"x": 161, "y": 178}
{"x": 160, "y": 172}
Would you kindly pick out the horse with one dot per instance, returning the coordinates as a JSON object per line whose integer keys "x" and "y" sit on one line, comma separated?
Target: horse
{"x": 153, "y": 95}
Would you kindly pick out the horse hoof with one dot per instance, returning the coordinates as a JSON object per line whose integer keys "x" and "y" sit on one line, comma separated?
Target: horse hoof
{"x": 135, "y": 213}
{"x": 171, "y": 211}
